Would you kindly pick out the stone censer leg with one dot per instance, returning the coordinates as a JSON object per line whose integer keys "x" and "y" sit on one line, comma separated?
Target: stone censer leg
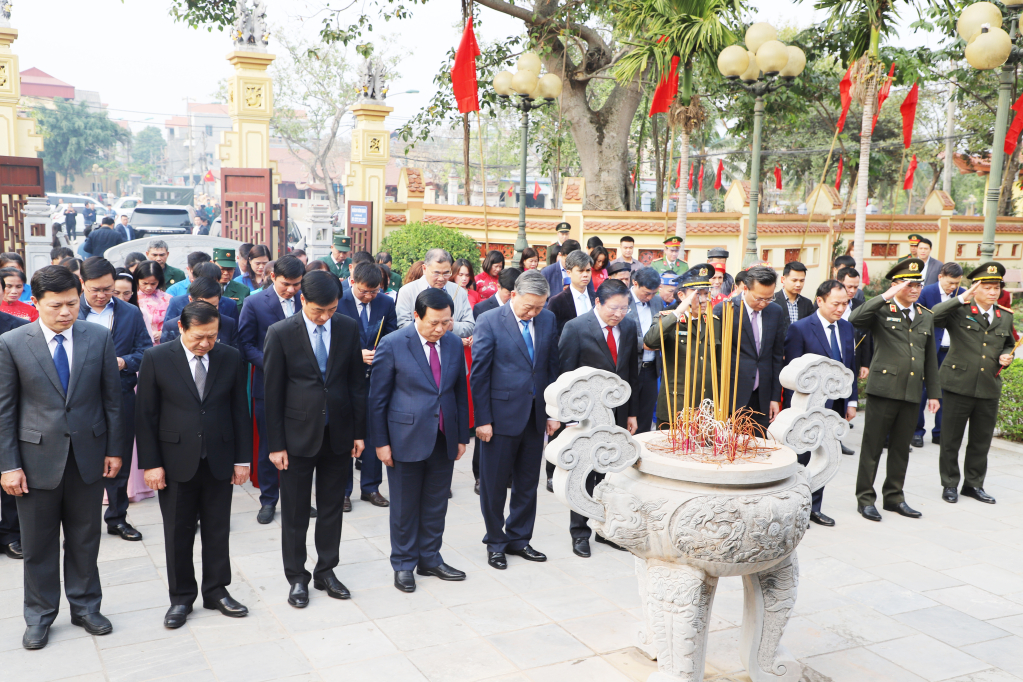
{"x": 769, "y": 597}
{"x": 677, "y": 607}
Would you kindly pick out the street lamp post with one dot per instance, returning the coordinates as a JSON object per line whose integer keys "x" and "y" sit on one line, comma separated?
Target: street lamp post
{"x": 780, "y": 64}
{"x": 533, "y": 91}
{"x": 988, "y": 47}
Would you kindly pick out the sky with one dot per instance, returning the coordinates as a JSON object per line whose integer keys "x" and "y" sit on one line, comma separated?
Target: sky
{"x": 145, "y": 66}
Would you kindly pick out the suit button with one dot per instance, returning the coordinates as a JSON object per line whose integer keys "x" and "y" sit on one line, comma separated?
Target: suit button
{"x": 912, "y": 358}
{"x": 983, "y": 357}
{"x": 324, "y": 390}
{"x": 884, "y": 371}
{"x": 985, "y": 344}
{"x": 69, "y": 409}
{"x": 202, "y": 411}
{"x": 981, "y": 369}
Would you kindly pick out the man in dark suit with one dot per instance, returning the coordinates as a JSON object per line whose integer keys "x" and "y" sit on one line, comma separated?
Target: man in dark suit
{"x": 762, "y": 352}
{"x": 225, "y": 306}
{"x": 790, "y": 298}
{"x": 578, "y": 298}
{"x": 205, "y": 289}
{"x": 556, "y": 272}
{"x": 947, "y": 286}
{"x": 932, "y": 266}
{"x": 101, "y": 239}
{"x": 194, "y": 441}
{"x": 315, "y": 388}
{"x": 515, "y": 357}
{"x": 645, "y": 307}
{"x": 419, "y": 418}
{"x": 131, "y": 339}
{"x": 261, "y": 310}
{"x": 124, "y": 229}
{"x": 826, "y": 333}
{"x": 60, "y": 436}
{"x": 850, "y": 279}
{"x": 604, "y": 339}
{"x": 10, "y": 529}
{"x": 376, "y": 319}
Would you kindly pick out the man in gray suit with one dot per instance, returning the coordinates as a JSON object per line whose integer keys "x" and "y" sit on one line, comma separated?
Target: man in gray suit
{"x": 60, "y": 436}
{"x": 437, "y": 266}
{"x": 644, "y": 309}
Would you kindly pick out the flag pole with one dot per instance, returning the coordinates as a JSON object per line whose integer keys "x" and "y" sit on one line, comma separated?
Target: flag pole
{"x": 483, "y": 171}
{"x": 824, "y": 176}
{"x": 891, "y": 221}
{"x": 671, "y": 157}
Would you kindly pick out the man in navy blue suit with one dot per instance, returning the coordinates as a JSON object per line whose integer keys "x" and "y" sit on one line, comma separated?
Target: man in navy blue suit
{"x": 419, "y": 416}
{"x": 514, "y": 358}
{"x": 225, "y": 306}
{"x": 131, "y": 339}
{"x": 10, "y": 528}
{"x": 261, "y": 310}
{"x": 949, "y": 276}
{"x": 204, "y": 289}
{"x": 826, "y": 333}
{"x": 376, "y": 319}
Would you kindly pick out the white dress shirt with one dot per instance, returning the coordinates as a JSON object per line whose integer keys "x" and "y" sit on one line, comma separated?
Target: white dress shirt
{"x": 911, "y": 309}
{"x": 104, "y": 317}
{"x": 359, "y": 305}
{"x": 616, "y": 330}
{"x": 310, "y": 328}
{"x": 646, "y": 318}
{"x": 582, "y": 302}
{"x": 194, "y": 359}
{"x": 49, "y": 334}
{"x": 426, "y": 349}
{"x": 827, "y": 330}
{"x": 288, "y": 304}
{"x": 529, "y": 326}
{"x": 946, "y": 338}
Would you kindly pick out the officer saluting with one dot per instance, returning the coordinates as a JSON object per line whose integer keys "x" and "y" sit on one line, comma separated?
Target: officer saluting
{"x": 904, "y": 358}
{"x": 981, "y": 334}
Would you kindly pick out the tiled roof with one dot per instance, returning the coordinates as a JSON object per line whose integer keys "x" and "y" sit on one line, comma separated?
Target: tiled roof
{"x": 477, "y": 221}
{"x": 572, "y": 192}
{"x": 394, "y": 219}
{"x": 946, "y": 200}
{"x": 652, "y": 226}
{"x": 978, "y": 228}
{"x": 415, "y": 181}
{"x": 790, "y": 228}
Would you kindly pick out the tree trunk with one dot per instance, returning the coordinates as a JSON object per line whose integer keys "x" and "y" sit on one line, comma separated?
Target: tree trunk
{"x": 863, "y": 172}
{"x": 682, "y": 208}
{"x": 950, "y": 128}
{"x": 658, "y": 166}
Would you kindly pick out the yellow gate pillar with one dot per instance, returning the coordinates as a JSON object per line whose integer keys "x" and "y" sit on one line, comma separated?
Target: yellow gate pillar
{"x": 365, "y": 173}
{"x": 18, "y": 135}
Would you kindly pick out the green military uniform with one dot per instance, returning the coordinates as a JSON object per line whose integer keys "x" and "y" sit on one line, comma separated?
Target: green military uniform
{"x": 555, "y": 248}
{"x": 971, "y": 385}
{"x": 344, "y": 245}
{"x": 236, "y": 291}
{"x": 171, "y": 275}
{"x": 678, "y": 266}
{"x": 905, "y": 357}
{"x": 914, "y": 240}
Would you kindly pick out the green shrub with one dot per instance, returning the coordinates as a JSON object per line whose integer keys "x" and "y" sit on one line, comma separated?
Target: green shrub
{"x": 411, "y": 243}
{"x": 1010, "y": 408}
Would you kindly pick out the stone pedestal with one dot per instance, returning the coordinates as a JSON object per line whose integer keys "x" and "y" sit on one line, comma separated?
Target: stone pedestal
{"x": 365, "y": 174}
{"x": 18, "y": 135}
{"x": 38, "y": 234}
{"x": 318, "y": 233}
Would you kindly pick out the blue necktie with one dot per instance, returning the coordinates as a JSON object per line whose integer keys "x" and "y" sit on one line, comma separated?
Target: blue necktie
{"x": 61, "y": 363}
{"x": 321, "y": 358}
{"x": 527, "y": 338}
{"x": 364, "y": 320}
{"x": 836, "y": 352}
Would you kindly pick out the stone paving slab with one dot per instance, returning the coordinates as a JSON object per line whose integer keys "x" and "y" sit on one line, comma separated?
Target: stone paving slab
{"x": 938, "y": 599}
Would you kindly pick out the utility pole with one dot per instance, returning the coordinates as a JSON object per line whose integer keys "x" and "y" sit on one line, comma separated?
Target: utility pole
{"x": 191, "y": 143}
{"x": 950, "y": 126}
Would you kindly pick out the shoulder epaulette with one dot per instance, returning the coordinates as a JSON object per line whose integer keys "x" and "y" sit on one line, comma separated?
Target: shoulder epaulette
{"x": 1008, "y": 310}
{"x": 921, "y": 305}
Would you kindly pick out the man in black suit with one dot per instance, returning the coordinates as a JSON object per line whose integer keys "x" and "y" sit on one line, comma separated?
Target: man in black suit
{"x": 604, "y": 339}
{"x": 101, "y": 239}
{"x": 194, "y": 440}
{"x": 209, "y": 290}
{"x": 315, "y": 388}
{"x": 578, "y": 298}
{"x": 762, "y": 352}
{"x": 645, "y": 308}
{"x": 125, "y": 229}
{"x": 790, "y": 298}
{"x": 850, "y": 279}
{"x": 10, "y": 529}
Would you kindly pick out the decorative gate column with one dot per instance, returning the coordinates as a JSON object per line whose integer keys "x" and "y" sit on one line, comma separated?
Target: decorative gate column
{"x": 18, "y": 135}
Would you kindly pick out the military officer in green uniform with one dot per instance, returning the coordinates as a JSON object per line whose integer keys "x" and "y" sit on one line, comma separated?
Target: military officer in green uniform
{"x": 982, "y": 343}
{"x": 236, "y": 291}
{"x": 914, "y": 241}
{"x": 905, "y": 357}
{"x": 159, "y": 252}
{"x": 555, "y": 248}
{"x": 674, "y": 326}
{"x": 671, "y": 260}
{"x": 338, "y": 260}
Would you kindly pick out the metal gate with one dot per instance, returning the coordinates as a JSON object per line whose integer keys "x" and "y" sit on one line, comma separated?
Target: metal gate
{"x": 20, "y": 178}
{"x": 247, "y": 209}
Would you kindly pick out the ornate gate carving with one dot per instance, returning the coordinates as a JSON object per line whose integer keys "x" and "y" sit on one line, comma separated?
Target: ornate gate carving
{"x": 247, "y": 212}
{"x": 20, "y": 178}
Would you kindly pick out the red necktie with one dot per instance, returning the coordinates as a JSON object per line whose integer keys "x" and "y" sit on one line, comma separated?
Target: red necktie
{"x": 611, "y": 345}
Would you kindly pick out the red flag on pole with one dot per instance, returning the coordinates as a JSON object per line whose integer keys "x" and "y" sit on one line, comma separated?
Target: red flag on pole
{"x": 701, "y": 177}
{"x": 632, "y": 178}
{"x": 838, "y": 178}
{"x": 845, "y": 95}
{"x": 1017, "y": 126}
{"x": 908, "y": 110}
{"x": 717, "y": 177}
{"x": 882, "y": 95}
{"x": 777, "y": 177}
{"x": 536, "y": 189}
{"x": 511, "y": 191}
{"x": 908, "y": 184}
{"x": 666, "y": 90}
{"x": 463, "y": 73}
{"x": 691, "y": 167}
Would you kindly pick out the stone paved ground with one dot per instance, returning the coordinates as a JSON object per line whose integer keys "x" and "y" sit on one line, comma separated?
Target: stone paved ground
{"x": 901, "y": 601}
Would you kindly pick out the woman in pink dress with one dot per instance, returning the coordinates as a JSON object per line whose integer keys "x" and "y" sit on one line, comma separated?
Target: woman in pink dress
{"x": 600, "y": 261}
{"x": 486, "y": 281}
{"x": 152, "y": 302}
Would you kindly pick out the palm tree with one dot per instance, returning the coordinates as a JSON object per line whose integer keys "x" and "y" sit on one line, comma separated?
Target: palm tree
{"x": 689, "y": 30}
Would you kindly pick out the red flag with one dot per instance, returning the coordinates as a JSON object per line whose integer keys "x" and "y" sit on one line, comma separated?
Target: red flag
{"x": 666, "y": 90}
{"x": 701, "y": 177}
{"x": 536, "y": 189}
{"x": 717, "y": 177}
{"x": 882, "y": 95}
{"x": 777, "y": 177}
{"x": 691, "y": 167}
{"x": 908, "y": 184}
{"x": 632, "y": 178}
{"x": 908, "y": 110}
{"x": 845, "y": 95}
{"x": 208, "y": 177}
{"x": 511, "y": 191}
{"x": 1017, "y": 126}
{"x": 463, "y": 73}
{"x": 838, "y": 178}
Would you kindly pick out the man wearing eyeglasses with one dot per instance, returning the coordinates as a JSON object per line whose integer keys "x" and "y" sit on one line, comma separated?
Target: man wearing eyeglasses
{"x": 131, "y": 339}
{"x": 905, "y": 361}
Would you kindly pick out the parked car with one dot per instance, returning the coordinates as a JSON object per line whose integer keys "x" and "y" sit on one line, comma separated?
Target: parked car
{"x": 151, "y": 220}
{"x": 124, "y": 205}
{"x": 294, "y": 234}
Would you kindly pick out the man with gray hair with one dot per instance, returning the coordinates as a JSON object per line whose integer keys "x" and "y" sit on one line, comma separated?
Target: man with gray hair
{"x": 437, "y": 266}
{"x": 159, "y": 252}
{"x": 645, "y": 307}
{"x": 515, "y": 358}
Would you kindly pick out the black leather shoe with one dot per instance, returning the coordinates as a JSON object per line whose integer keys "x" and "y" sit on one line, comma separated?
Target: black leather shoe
{"x": 581, "y": 547}
{"x": 93, "y": 623}
{"x": 476, "y": 487}
{"x": 869, "y": 512}
{"x": 126, "y": 531}
{"x": 977, "y": 494}
{"x": 405, "y": 581}
{"x": 227, "y": 606}
{"x": 36, "y": 636}
{"x": 299, "y": 596}
{"x": 550, "y": 485}
{"x": 903, "y": 509}
{"x": 847, "y": 451}
{"x": 176, "y": 616}
{"x": 358, "y": 464}
{"x": 936, "y": 439}
{"x": 13, "y": 550}
{"x": 527, "y": 553}
{"x": 266, "y": 514}
{"x": 313, "y": 513}
{"x": 497, "y": 560}
{"x": 917, "y": 442}
{"x": 949, "y": 495}
{"x": 442, "y": 571}
{"x": 348, "y": 504}
{"x": 822, "y": 519}
{"x": 375, "y": 499}
{"x": 333, "y": 587}
{"x": 450, "y": 494}
{"x": 604, "y": 541}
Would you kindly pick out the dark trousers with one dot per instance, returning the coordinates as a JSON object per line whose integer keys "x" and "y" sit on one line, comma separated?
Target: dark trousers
{"x": 759, "y": 417}
{"x": 936, "y": 431}
{"x": 296, "y": 490}
{"x": 10, "y": 529}
{"x": 76, "y": 507}
{"x": 269, "y": 477}
{"x": 981, "y": 413}
{"x": 419, "y": 502}
{"x": 208, "y": 499}
{"x": 371, "y": 473}
{"x": 647, "y": 396}
{"x": 476, "y": 457}
{"x": 577, "y": 526}
{"x": 117, "y": 487}
{"x": 517, "y": 457}
{"x": 895, "y": 420}
{"x": 817, "y": 497}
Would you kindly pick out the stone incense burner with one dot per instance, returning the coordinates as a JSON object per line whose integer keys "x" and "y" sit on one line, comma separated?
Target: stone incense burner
{"x": 689, "y": 523}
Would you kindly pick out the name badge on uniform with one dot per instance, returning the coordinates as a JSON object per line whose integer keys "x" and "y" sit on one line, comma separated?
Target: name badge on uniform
{"x": 895, "y": 319}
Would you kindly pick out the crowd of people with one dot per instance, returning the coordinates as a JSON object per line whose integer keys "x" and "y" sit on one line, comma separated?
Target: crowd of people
{"x": 124, "y": 382}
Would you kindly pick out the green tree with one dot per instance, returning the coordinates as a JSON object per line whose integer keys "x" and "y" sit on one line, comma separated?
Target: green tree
{"x": 148, "y": 146}
{"x": 411, "y": 243}
{"x": 75, "y": 136}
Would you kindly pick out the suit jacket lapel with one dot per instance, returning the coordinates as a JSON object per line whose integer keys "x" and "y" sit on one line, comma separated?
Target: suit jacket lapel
{"x": 181, "y": 363}
{"x": 274, "y": 303}
{"x": 80, "y": 338}
{"x": 416, "y": 349}
{"x": 37, "y": 343}
{"x": 215, "y": 361}
{"x": 598, "y": 330}
{"x": 747, "y": 326}
{"x": 335, "y": 343}
{"x": 515, "y": 330}
{"x": 818, "y": 331}
{"x": 306, "y": 343}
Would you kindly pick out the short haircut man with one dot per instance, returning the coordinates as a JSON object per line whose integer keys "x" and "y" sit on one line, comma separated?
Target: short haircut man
{"x": 648, "y": 278}
{"x": 506, "y": 280}
{"x": 626, "y": 239}
{"x": 578, "y": 259}
{"x": 288, "y": 267}
{"x": 568, "y": 247}
{"x": 197, "y": 257}
{"x": 367, "y": 273}
{"x": 793, "y": 266}
{"x": 203, "y": 288}
{"x": 951, "y": 270}
{"x": 59, "y": 253}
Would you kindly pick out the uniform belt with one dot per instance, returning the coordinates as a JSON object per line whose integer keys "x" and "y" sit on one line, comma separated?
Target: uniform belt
{"x": 644, "y": 365}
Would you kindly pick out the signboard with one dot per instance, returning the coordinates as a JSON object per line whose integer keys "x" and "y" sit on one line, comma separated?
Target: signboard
{"x": 360, "y": 224}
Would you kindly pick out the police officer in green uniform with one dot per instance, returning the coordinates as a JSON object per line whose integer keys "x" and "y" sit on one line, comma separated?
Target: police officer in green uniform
{"x": 675, "y": 326}
{"x": 981, "y": 334}
{"x": 671, "y": 260}
{"x": 236, "y": 291}
{"x": 555, "y": 248}
{"x": 905, "y": 357}
{"x": 338, "y": 260}
{"x": 914, "y": 241}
